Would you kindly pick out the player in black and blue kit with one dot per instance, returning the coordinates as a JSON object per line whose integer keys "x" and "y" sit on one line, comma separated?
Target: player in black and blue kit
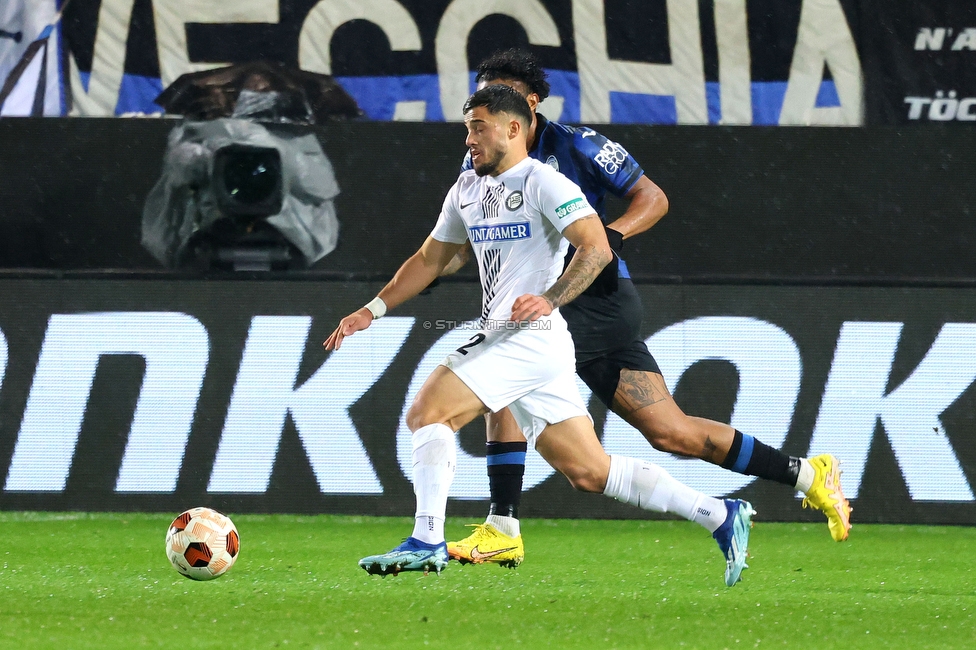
{"x": 611, "y": 357}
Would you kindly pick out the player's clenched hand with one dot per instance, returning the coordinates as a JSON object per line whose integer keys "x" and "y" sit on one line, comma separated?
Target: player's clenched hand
{"x": 530, "y": 308}
{"x": 354, "y": 322}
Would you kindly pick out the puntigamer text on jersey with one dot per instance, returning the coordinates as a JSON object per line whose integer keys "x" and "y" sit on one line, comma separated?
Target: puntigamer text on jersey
{"x": 500, "y": 232}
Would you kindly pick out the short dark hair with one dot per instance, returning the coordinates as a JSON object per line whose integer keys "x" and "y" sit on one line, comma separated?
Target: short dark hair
{"x": 499, "y": 98}
{"x": 517, "y": 65}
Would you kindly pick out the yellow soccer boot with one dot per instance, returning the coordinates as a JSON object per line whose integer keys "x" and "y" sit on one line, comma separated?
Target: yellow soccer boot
{"x": 826, "y": 495}
{"x": 488, "y": 544}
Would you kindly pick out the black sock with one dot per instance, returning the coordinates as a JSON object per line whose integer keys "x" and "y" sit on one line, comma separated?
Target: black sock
{"x": 506, "y": 466}
{"x": 749, "y": 456}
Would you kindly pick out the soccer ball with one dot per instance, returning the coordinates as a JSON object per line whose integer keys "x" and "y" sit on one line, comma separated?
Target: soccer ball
{"x": 202, "y": 544}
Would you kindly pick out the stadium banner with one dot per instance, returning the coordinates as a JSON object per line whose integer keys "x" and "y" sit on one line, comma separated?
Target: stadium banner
{"x": 658, "y": 62}
{"x": 31, "y": 75}
{"x": 920, "y": 62}
{"x": 160, "y": 395}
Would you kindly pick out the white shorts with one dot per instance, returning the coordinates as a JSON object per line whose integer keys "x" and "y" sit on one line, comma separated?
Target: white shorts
{"x": 531, "y": 371}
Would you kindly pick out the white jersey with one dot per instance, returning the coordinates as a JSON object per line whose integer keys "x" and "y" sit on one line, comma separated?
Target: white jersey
{"x": 514, "y": 222}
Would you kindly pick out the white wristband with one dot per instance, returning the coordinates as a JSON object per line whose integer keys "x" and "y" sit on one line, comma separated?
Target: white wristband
{"x": 376, "y": 307}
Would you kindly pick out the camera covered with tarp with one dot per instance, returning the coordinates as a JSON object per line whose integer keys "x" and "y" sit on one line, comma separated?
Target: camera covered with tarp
{"x": 246, "y": 184}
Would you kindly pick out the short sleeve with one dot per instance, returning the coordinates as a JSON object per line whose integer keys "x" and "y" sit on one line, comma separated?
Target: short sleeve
{"x": 559, "y": 199}
{"x": 610, "y": 165}
{"x": 466, "y": 164}
{"x": 450, "y": 227}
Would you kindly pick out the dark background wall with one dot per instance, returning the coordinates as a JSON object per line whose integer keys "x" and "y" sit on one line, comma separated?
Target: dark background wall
{"x": 879, "y": 204}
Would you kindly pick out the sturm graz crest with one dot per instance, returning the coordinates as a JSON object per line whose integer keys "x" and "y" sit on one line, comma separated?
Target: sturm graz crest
{"x": 514, "y": 200}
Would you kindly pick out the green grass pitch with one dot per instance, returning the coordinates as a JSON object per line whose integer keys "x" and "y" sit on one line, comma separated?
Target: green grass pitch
{"x": 102, "y": 581}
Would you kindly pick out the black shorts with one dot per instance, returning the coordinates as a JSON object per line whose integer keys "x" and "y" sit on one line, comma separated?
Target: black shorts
{"x": 606, "y": 333}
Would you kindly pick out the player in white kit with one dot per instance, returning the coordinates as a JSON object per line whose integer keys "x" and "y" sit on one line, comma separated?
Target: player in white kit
{"x": 520, "y": 216}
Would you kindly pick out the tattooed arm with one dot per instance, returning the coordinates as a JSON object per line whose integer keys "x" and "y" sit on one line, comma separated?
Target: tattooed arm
{"x": 592, "y": 254}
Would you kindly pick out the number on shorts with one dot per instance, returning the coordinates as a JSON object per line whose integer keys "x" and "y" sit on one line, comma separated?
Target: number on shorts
{"x": 475, "y": 340}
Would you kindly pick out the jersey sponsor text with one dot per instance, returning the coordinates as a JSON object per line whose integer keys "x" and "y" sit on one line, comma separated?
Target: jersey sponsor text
{"x": 501, "y": 232}
{"x": 569, "y": 207}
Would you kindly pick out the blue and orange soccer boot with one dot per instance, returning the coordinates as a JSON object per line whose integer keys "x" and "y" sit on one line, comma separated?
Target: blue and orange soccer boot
{"x": 411, "y": 555}
{"x": 826, "y": 495}
{"x": 488, "y": 544}
{"x": 733, "y": 538}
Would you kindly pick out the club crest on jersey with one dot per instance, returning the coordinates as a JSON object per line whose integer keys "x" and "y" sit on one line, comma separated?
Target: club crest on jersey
{"x": 552, "y": 162}
{"x": 514, "y": 200}
{"x": 500, "y": 232}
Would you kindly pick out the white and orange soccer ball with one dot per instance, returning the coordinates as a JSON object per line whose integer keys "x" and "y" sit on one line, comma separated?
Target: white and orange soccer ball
{"x": 202, "y": 544}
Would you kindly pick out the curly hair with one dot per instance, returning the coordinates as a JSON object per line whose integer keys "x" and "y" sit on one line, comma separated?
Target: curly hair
{"x": 517, "y": 65}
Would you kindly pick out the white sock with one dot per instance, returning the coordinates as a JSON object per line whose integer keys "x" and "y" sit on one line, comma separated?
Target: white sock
{"x": 428, "y": 528}
{"x": 434, "y": 461}
{"x": 804, "y": 480}
{"x": 650, "y": 487}
{"x": 507, "y": 525}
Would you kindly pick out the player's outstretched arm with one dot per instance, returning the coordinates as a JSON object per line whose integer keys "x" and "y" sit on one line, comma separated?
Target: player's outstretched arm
{"x": 418, "y": 271}
{"x": 648, "y": 204}
{"x": 592, "y": 254}
{"x": 414, "y": 275}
